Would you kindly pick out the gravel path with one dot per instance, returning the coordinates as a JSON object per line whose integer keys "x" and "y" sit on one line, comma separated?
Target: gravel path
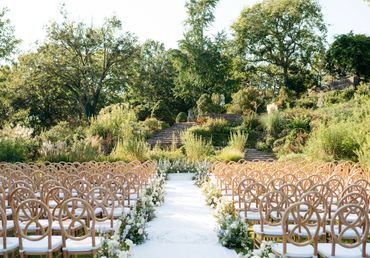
{"x": 184, "y": 227}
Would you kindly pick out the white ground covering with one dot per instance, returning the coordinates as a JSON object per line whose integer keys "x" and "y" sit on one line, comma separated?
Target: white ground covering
{"x": 184, "y": 227}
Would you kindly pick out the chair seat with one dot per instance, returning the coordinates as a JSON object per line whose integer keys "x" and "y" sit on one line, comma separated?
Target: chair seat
{"x": 348, "y": 234}
{"x": 251, "y": 215}
{"x": 11, "y": 244}
{"x": 33, "y": 227}
{"x": 105, "y": 226}
{"x": 268, "y": 230}
{"x": 41, "y": 246}
{"x": 9, "y": 225}
{"x": 118, "y": 211}
{"x": 56, "y": 225}
{"x": 84, "y": 245}
{"x": 340, "y": 251}
{"x": 294, "y": 251}
{"x": 303, "y": 232}
{"x": 9, "y": 212}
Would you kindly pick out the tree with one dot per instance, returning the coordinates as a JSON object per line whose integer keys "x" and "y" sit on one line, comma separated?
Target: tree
{"x": 38, "y": 95}
{"x": 155, "y": 80}
{"x": 349, "y": 54}
{"x": 8, "y": 42}
{"x": 94, "y": 65}
{"x": 286, "y": 34}
{"x": 200, "y": 61}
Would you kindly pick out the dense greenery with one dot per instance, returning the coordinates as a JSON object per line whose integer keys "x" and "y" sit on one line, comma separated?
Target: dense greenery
{"x": 97, "y": 93}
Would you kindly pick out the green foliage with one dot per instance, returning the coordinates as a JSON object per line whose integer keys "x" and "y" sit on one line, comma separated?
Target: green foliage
{"x": 100, "y": 61}
{"x": 349, "y": 54}
{"x": 334, "y": 142}
{"x": 340, "y": 96}
{"x": 134, "y": 148}
{"x": 154, "y": 81}
{"x": 280, "y": 38}
{"x": 63, "y": 131}
{"x": 181, "y": 117}
{"x": 17, "y": 144}
{"x": 157, "y": 153}
{"x": 273, "y": 123}
{"x": 363, "y": 152}
{"x": 8, "y": 42}
{"x": 151, "y": 126}
{"x": 246, "y": 100}
{"x": 14, "y": 150}
{"x": 208, "y": 104}
{"x": 196, "y": 148}
{"x": 113, "y": 123}
{"x": 217, "y": 131}
{"x": 201, "y": 63}
{"x": 163, "y": 112}
{"x": 230, "y": 154}
{"x": 238, "y": 140}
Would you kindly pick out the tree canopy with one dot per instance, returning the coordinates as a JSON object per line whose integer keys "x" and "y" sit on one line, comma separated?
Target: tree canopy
{"x": 349, "y": 55}
{"x": 8, "y": 42}
{"x": 93, "y": 64}
{"x": 200, "y": 61}
{"x": 286, "y": 34}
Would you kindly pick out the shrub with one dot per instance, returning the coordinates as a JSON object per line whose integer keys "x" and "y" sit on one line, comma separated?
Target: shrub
{"x": 250, "y": 121}
{"x": 273, "y": 123}
{"x": 300, "y": 123}
{"x": 216, "y": 131}
{"x": 134, "y": 148}
{"x": 363, "y": 152}
{"x": 181, "y": 117}
{"x": 230, "y": 154}
{"x": 238, "y": 140}
{"x": 14, "y": 150}
{"x": 333, "y": 142}
{"x": 207, "y": 104}
{"x": 246, "y": 100}
{"x": 17, "y": 144}
{"x": 152, "y": 125}
{"x": 63, "y": 131}
{"x": 113, "y": 123}
{"x": 262, "y": 146}
{"x": 168, "y": 154}
{"x": 196, "y": 147}
{"x": 162, "y": 112}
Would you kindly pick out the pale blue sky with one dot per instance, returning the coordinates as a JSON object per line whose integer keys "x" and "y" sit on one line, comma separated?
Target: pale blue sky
{"x": 162, "y": 20}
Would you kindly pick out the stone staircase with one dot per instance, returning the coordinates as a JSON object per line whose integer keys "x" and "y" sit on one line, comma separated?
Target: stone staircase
{"x": 253, "y": 154}
{"x": 165, "y": 136}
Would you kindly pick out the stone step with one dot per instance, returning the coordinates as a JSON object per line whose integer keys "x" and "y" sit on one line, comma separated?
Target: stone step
{"x": 165, "y": 137}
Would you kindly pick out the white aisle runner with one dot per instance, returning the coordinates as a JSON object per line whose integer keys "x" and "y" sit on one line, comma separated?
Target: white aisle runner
{"x": 184, "y": 226}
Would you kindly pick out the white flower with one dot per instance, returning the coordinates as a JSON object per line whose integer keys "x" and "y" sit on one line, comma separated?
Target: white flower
{"x": 271, "y": 255}
{"x": 140, "y": 231}
{"x": 129, "y": 242}
{"x": 257, "y": 252}
{"x": 123, "y": 254}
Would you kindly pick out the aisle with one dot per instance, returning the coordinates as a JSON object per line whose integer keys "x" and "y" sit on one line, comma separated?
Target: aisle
{"x": 184, "y": 227}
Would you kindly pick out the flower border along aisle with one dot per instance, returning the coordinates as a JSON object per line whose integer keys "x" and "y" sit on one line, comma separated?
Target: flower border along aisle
{"x": 232, "y": 231}
{"x": 130, "y": 228}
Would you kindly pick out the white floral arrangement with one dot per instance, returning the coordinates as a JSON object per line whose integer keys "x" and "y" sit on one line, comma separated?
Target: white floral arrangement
{"x": 265, "y": 251}
{"x": 233, "y": 231}
{"x": 114, "y": 247}
{"x": 212, "y": 193}
{"x": 130, "y": 229}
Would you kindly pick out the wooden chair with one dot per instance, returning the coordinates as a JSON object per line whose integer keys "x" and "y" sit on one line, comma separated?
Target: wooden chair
{"x": 27, "y": 221}
{"x": 86, "y": 243}
{"x": 339, "y": 246}
{"x": 8, "y": 245}
{"x": 293, "y": 244}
